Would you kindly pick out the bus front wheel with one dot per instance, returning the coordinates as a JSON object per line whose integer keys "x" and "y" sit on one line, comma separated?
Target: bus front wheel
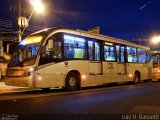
{"x": 72, "y": 82}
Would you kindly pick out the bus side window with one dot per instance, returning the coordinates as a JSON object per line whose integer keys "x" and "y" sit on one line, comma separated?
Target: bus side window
{"x": 51, "y": 51}
{"x": 53, "y": 48}
{"x": 94, "y": 50}
{"x": 141, "y": 55}
{"x": 74, "y": 47}
{"x": 69, "y": 52}
{"x": 148, "y": 55}
{"x": 132, "y": 54}
{"x": 118, "y": 53}
{"x": 109, "y": 53}
{"x": 155, "y": 60}
{"x": 97, "y": 51}
{"x": 90, "y": 50}
{"x": 122, "y": 54}
{"x": 49, "y": 48}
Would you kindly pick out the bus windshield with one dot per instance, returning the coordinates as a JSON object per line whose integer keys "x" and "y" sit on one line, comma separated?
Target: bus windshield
{"x": 26, "y": 52}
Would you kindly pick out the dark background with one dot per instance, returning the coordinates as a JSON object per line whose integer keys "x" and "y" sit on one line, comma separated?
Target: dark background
{"x": 133, "y": 20}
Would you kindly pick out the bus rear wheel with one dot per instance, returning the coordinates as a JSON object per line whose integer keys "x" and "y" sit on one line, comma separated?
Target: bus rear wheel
{"x": 72, "y": 82}
{"x": 136, "y": 78}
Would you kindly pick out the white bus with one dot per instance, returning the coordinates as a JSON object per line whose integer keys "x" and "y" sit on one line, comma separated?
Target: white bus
{"x": 67, "y": 58}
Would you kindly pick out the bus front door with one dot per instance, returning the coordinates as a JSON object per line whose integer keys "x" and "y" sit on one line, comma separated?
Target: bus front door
{"x": 95, "y": 72}
{"x": 95, "y": 64}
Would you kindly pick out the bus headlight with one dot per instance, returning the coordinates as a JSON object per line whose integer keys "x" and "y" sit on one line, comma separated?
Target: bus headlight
{"x": 83, "y": 76}
{"x": 29, "y": 73}
{"x": 39, "y": 78}
{"x": 130, "y": 75}
{"x": 31, "y": 69}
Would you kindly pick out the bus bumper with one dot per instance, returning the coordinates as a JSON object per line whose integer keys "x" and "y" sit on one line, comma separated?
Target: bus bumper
{"x": 18, "y": 81}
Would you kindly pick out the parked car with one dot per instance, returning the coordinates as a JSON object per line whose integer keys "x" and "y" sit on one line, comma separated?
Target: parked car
{"x": 3, "y": 65}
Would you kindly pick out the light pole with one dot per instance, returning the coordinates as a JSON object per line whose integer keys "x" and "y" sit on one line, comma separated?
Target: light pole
{"x": 27, "y": 22}
{"x": 19, "y": 15}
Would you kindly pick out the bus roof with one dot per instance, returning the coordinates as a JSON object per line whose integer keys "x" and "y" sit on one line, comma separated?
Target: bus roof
{"x": 90, "y": 35}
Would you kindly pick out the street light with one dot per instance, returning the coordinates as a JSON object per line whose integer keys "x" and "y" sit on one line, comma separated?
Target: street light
{"x": 156, "y": 39}
{"x": 37, "y": 7}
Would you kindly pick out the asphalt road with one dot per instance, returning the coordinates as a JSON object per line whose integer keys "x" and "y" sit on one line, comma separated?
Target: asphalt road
{"x": 119, "y": 102}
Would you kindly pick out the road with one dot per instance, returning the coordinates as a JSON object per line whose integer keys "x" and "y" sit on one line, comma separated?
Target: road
{"x": 119, "y": 102}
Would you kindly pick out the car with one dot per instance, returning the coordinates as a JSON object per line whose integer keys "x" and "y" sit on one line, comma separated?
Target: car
{"x": 4, "y": 60}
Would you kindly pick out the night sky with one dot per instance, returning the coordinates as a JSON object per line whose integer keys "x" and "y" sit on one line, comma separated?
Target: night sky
{"x": 127, "y": 19}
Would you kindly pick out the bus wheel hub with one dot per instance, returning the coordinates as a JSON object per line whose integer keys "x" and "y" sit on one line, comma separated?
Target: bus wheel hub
{"x": 72, "y": 81}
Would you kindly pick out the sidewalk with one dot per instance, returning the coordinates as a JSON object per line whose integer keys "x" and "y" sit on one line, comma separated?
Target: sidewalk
{"x": 9, "y": 89}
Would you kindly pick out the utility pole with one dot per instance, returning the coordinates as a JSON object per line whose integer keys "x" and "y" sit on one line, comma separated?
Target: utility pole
{"x": 140, "y": 40}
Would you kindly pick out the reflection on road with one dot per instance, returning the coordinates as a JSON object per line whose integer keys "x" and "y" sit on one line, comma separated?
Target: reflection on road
{"x": 10, "y": 92}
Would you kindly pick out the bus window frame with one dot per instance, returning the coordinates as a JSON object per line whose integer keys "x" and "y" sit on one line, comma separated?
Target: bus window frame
{"x": 120, "y": 53}
{"x": 114, "y": 51}
{"x": 148, "y": 52}
{"x": 63, "y": 46}
{"x": 42, "y": 50}
{"x": 100, "y": 42}
{"x": 139, "y": 54}
{"x": 127, "y": 54}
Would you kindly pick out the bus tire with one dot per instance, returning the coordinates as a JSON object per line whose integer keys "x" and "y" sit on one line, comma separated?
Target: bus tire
{"x": 46, "y": 89}
{"x": 136, "y": 78}
{"x": 72, "y": 82}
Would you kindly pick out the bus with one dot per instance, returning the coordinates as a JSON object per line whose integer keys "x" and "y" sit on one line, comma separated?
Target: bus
{"x": 156, "y": 65}
{"x": 72, "y": 58}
